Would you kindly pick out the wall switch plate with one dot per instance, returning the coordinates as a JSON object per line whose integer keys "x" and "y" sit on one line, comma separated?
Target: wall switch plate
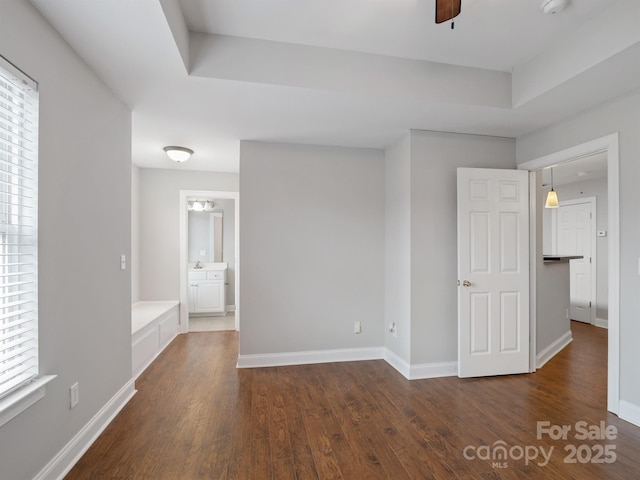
{"x": 357, "y": 327}
{"x": 203, "y": 253}
{"x": 74, "y": 395}
{"x": 123, "y": 262}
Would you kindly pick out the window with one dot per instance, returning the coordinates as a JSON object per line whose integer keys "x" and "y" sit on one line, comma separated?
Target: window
{"x": 18, "y": 229}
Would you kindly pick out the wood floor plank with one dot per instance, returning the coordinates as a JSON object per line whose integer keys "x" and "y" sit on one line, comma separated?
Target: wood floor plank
{"x": 196, "y": 416}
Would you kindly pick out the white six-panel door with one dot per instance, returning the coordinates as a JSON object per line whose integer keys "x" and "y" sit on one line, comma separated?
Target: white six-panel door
{"x": 575, "y": 237}
{"x": 493, "y": 272}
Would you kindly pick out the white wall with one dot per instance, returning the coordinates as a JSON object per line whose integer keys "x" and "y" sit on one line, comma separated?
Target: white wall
{"x": 552, "y": 285}
{"x": 312, "y": 246}
{"x": 135, "y": 234}
{"x": 84, "y": 227}
{"x": 435, "y": 156}
{"x": 160, "y": 229}
{"x": 398, "y": 247}
{"x": 622, "y": 116}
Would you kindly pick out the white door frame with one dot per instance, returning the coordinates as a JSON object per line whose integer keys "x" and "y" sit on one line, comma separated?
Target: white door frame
{"x": 609, "y": 145}
{"x": 594, "y": 254}
{"x": 183, "y": 218}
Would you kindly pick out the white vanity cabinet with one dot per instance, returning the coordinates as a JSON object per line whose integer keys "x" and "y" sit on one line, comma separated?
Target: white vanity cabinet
{"x": 207, "y": 291}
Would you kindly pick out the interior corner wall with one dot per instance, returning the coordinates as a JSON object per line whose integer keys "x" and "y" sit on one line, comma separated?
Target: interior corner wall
{"x": 159, "y": 242}
{"x": 84, "y": 226}
{"x": 135, "y": 234}
{"x": 398, "y": 248}
{"x": 435, "y": 157}
{"x": 622, "y": 116}
{"x": 312, "y": 243}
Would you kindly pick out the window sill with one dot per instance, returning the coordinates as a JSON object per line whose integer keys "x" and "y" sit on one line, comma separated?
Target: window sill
{"x": 19, "y": 401}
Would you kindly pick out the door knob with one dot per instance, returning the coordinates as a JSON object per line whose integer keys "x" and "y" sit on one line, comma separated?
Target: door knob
{"x": 466, "y": 283}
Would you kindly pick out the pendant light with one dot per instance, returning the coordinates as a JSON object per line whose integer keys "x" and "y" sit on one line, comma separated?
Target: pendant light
{"x": 552, "y": 196}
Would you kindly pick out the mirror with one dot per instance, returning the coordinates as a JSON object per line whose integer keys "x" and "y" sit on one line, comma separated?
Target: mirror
{"x": 205, "y": 235}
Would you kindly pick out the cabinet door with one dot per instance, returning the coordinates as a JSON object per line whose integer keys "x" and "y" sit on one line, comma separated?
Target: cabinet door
{"x": 210, "y": 297}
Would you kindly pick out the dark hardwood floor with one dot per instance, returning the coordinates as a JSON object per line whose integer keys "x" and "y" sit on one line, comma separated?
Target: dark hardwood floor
{"x": 196, "y": 416}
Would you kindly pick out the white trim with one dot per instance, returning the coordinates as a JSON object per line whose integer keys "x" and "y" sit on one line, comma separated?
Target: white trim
{"x": 602, "y": 323}
{"x": 586, "y": 149}
{"x": 393, "y": 359}
{"x": 592, "y": 202}
{"x": 533, "y": 271}
{"x": 608, "y": 144}
{"x": 552, "y": 350}
{"x": 66, "y": 458}
{"x": 184, "y": 247}
{"x": 17, "y": 402}
{"x": 231, "y": 308}
{"x": 410, "y": 372}
{"x": 314, "y": 356}
{"x": 629, "y": 412}
{"x": 433, "y": 370}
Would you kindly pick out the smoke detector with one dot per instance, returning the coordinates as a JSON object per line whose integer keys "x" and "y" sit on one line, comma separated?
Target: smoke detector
{"x": 553, "y": 6}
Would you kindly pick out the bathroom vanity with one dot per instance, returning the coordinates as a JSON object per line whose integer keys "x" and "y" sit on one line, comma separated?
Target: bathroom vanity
{"x": 207, "y": 289}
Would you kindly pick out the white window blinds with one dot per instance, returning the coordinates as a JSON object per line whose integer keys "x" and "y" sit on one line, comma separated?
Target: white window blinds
{"x": 18, "y": 228}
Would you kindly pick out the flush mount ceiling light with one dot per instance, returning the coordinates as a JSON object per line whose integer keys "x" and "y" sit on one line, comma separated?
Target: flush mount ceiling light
{"x": 178, "y": 154}
{"x": 552, "y": 196}
{"x": 447, "y": 10}
{"x": 200, "y": 205}
{"x": 552, "y": 6}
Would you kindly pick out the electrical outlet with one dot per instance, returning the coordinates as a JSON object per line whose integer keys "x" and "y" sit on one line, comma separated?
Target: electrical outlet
{"x": 393, "y": 330}
{"x": 74, "y": 395}
{"x": 357, "y": 327}
{"x": 567, "y": 313}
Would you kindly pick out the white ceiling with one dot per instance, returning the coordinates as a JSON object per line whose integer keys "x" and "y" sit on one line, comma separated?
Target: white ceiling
{"x": 492, "y": 34}
{"x": 207, "y": 92}
{"x": 592, "y": 167}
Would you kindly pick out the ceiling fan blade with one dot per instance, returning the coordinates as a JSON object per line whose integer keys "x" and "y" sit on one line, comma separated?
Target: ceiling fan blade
{"x": 447, "y": 9}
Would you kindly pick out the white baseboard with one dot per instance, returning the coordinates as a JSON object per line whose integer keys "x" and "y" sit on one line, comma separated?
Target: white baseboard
{"x": 398, "y": 363}
{"x": 303, "y": 358}
{"x": 548, "y": 353}
{"x": 629, "y": 412}
{"x": 66, "y": 458}
{"x": 231, "y": 308}
{"x": 433, "y": 370}
{"x": 410, "y": 372}
{"x": 602, "y": 323}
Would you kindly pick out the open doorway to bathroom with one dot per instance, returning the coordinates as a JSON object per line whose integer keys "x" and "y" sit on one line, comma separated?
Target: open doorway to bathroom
{"x": 209, "y": 260}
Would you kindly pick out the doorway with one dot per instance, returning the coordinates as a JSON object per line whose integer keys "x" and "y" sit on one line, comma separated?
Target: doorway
{"x": 184, "y": 197}
{"x": 609, "y": 146}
